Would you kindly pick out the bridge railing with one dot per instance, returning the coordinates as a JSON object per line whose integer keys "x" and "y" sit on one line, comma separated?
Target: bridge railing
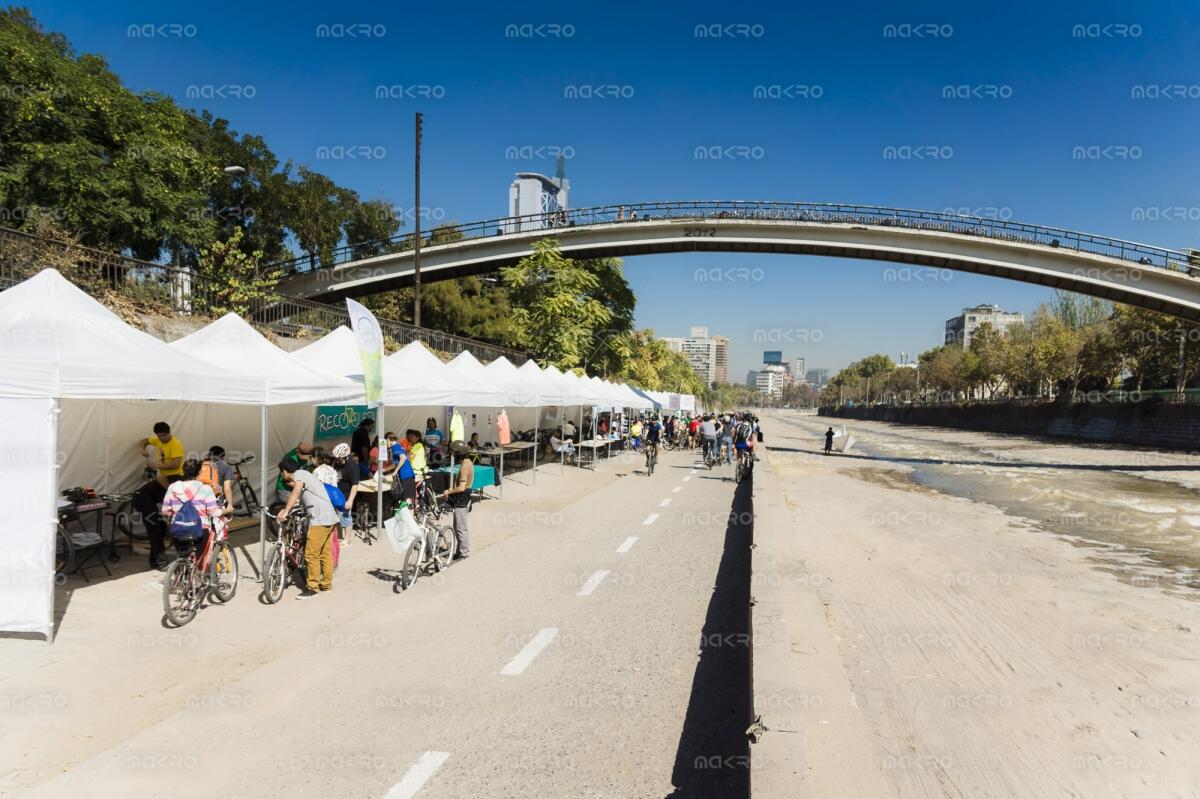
{"x": 147, "y": 286}
{"x": 1141, "y": 255}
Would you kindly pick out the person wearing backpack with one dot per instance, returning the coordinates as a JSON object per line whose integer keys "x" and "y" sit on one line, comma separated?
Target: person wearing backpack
{"x": 218, "y": 475}
{"x": 322, "y": 519}
{"x": 191, "y": 509}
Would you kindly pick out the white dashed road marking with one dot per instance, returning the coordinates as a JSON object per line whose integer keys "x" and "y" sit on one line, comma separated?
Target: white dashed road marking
{"x": 417, "y": 775}
{"x": 531, "y": 651}
{"x": 687, "y": 477}
{"x": 628, "y": 545}
{"x": 592, "y": 583}
{"x": 676, "y": 489}
{"x": 651, "y": 518}
{"x": 665, "y": 503}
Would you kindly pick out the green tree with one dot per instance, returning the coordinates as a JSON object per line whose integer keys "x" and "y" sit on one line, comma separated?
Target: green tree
{"x": 553, "y": 304}
{"x": 989, "y": 346}
{"x": 234, "y": 277}
{"x": 369, "y": 227}
{"x": 317, "y": 209}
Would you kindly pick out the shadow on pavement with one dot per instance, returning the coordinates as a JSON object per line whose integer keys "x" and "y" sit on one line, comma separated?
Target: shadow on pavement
{"x": 713, "y": 759}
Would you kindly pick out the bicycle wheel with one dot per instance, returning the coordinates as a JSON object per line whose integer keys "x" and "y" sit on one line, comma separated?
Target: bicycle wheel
{"x": 410, "y": 570}
{"x": 274, "y": 575}
{"x": 181, "y": 599}
{"x": 224, "y": 572}
{"x": 444, "y": 546}
{"x": 250, "y": 498}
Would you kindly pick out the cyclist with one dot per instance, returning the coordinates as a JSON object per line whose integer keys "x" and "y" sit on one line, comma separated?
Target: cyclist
{"x": 743, "y": 437}
{"x": 654, "y": 432}
{"x": 708, "y": 435}
{"x": 693, "y": 432}
{"x": 726, "y": 444}
{"x": 189, "y": 489}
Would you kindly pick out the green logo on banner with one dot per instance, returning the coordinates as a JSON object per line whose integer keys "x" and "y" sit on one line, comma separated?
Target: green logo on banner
{"x": 339, "y": 421}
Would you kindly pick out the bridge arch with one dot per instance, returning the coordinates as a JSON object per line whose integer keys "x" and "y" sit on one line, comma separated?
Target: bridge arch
{"x": 1122, "y": 271}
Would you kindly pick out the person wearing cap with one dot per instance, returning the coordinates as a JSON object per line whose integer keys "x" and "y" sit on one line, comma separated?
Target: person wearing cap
{"x": 459, "y": 496}
{"x": 303, "y": 486}
{"x": 301, "y": 453}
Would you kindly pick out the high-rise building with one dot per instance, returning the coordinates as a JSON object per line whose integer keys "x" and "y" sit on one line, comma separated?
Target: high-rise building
{"x": 961, "y": 328}
{"x": 769, "y": 380}
{"x": 817, "y": 377}
{"x": 538, "y": 199}
{"x": 708, "y": 355}
{"x": 797, "y": 367}
{"x": 721, "y": 368}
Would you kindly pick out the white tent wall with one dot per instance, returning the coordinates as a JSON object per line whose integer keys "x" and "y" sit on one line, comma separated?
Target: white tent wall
{"x": 27, "y": 459}
{"x": 97, "y": 437}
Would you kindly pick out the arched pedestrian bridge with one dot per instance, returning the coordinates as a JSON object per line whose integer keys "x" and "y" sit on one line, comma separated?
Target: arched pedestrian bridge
{"x": 1122, "y": 271}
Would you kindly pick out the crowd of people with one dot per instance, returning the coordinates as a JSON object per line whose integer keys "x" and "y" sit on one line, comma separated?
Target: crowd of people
{"x": 327, "y": 482}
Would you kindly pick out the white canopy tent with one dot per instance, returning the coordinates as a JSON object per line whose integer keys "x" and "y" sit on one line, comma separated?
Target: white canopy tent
{"x": 520, "y": 393}
{"x": 64, "y": 354}
{"x": 232, "y": 343}
{"x": 469, "y": 390}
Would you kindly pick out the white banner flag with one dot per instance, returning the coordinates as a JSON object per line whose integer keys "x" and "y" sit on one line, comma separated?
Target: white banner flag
{"x": 370, "y": 350}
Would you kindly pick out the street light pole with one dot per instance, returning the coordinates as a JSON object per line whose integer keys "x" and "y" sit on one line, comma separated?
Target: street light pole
{"x": 417, "y": 236}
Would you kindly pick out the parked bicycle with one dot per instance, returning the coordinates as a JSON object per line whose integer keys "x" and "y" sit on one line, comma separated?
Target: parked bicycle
{"x": 249, "y": 504}
{"x": 285, "y": 552}
{"x": 194, "y": 576}
{"x": 433, "y": 550}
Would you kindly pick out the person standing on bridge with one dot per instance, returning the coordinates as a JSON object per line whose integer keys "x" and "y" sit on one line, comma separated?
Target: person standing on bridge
{"x": 828, "y": 440}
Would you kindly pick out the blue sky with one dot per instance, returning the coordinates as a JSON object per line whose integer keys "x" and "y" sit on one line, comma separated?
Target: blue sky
{"x": 1009, "y": 156}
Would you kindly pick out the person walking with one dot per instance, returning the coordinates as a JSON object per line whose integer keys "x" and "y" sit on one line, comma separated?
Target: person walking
{"x": 828, "y": 441}
{"x": 459, "y": 497}
{"x": 318, "y": 548}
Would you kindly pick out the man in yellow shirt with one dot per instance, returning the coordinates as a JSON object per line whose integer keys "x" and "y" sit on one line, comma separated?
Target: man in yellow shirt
{"x": 147, "y": 501}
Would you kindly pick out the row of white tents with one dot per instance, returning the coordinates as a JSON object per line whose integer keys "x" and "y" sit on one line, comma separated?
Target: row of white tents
{"x": 78, "y": 386}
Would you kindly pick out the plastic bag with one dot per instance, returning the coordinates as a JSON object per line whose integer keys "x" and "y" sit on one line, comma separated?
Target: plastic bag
{"x": 401, "y": 529}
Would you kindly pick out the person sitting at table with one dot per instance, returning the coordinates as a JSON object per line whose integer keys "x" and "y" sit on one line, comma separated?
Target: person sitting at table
{"x": 562, "y": 446}
{"x": 148, "y": 500}
{"x": 433, "y": 440}
{"x": 474, "y": 444}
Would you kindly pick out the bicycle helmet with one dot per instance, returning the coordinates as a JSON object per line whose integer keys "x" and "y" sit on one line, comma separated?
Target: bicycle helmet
{"x": 341, "y": 451}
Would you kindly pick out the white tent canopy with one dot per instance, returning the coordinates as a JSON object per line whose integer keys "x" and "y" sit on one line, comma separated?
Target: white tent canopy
{"x": 335, "y": 353}
{"x": 232, "y": 343}
{"x": 521, "y": 393}
{"x": 569, "y": 390}
{"x": 57, "y": 343}
{"x": 547, "y": 389}
{"x": 471, "y": 390}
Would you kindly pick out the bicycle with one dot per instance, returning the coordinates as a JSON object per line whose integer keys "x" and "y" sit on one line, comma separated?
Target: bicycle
{"x": 745, "y": 465}
{"x": 433, "y": 549}
{"x": 712, "y": 455}
{"x": 285, "y": 555}
{"x": 193, "y": 576}
{"x": 651, "y": 457}
{"x": 249, "y": 504}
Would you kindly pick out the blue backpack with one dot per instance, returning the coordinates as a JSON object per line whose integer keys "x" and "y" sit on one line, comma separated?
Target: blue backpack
{"x": 187, "y": 525}
{"x": 336, "y": 497}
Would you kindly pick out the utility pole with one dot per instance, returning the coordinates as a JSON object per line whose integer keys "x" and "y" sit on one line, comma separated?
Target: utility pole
{"x": 417, "y": 235}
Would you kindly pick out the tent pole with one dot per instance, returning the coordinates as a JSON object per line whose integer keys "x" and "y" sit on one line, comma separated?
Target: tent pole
{"x": 382, "y": 450}
{"x": 536, "y": 420}
{"x": 562, "y": 455}
{"x": 264, "y": 502}
{"x": 56, "y": 412}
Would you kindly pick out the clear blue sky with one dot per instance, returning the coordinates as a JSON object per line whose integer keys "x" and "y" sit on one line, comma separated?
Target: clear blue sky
{"x": 1012, "y": 154}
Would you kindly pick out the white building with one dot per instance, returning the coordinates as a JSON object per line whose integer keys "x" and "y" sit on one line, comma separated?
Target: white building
{"x": 960, "y": 329}
{"x": 721, "y": 367}
{"x": 708, "y": 355}
{"x": 769, "y": 380}
{"x": 541, "y": 200}
{"x": 796, "y": 367}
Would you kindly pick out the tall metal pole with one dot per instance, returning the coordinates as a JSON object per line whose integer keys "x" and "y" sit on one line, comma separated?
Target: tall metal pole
{"x": 417, "y": 237}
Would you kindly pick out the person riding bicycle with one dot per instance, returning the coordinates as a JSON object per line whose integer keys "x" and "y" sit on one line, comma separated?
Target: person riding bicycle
{"x": 743, "y": 436}
{"x": 708, "y": 435}
{"x": 726, "y": 442}
{"x": 693, "y": 428}
{"x": 190, "y": 489}
{"x": 654, "y": 431}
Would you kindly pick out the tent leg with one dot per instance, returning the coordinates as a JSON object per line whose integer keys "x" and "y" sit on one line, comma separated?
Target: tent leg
{"x": 262, "y": 516}
{"x": 56, "y": 412}
{"x": 536, "y": 420}
{"x": 380, "y": 429}
{"x": 562, "y": 455}
{"x": 501, "y": 472}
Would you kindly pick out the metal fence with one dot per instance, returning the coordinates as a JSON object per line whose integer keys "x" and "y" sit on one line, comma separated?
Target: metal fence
{"x": 180, "y": 291}
{"x": 949, "y": 399}
{"x": 754, "y": 210}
